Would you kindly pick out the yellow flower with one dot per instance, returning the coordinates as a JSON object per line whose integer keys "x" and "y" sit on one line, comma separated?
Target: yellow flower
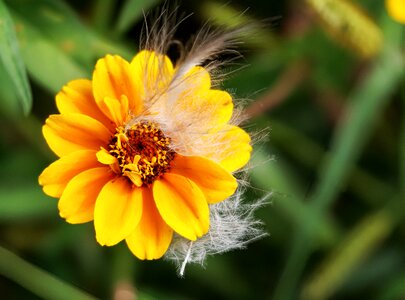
{"x": 396, "y": 9}
{"x": 144, "y": 148}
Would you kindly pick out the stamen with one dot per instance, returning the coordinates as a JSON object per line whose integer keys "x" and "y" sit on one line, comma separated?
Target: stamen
{"x": 143, "y": 152}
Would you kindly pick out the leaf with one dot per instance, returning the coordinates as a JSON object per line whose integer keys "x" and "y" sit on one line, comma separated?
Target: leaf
{"x": 131, "y": 12}
{"x": 352, "y": 251}
{"x": 11, "y": 63}
{"x": 55, "y": 45}
{"x": 349, "y": 25}
{"x": 367, "y": 103}
{"x": 48, "y": 65}
{"x": 61, "y": 26}
{"x": 38, "y": 281}
{"x": 288, "y": 195}
{"x": 23, "y": 202}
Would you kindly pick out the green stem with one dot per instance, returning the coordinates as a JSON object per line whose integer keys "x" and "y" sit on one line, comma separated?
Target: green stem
{"x": 36, "y": 280}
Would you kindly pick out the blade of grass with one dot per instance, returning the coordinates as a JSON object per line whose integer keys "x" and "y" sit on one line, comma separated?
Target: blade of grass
{"x": 229, "y": 17}
{"x": 401, "y": 182}
{"x": 367, "y": 187}
{"x": 48, "y": 65}
{"x": 24, "y": 202}
{"x": 394, "y": 290}
{"x": 367, "y": 102}
{"x": 36, "y": 280}
{"x": 357, "y": 246}
{"x": 11, "y": 61}
{"x": 62, "y": 27}
{"x": 273, "y": 176}
{"x": 131, "y": 12}
{"x": 102, "y": 14}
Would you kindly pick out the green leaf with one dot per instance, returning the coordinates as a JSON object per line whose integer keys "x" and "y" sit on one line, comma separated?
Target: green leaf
{"x": 352, "y": 251}
{"x": 38, "y": 281}
{"x": 61, "y": 26}
{"x": 48, "y": 65}
{"x": 11, "y": 63}
{"x": 55, "y": 45}
{"x": 367, "y": 103}
{"x": 131, "y": 12}
{"x": 288, "y": 195}
{"x": 23, "y": 202}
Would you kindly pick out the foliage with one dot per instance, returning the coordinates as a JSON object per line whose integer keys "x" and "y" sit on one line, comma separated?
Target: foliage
{"x": 325, "y": 83}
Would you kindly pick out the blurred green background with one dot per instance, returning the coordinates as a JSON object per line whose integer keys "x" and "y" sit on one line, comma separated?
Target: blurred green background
{"x": 325, "y": 81}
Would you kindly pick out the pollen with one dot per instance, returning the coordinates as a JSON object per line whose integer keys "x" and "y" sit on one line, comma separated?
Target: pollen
{"x": 143, "y": 152}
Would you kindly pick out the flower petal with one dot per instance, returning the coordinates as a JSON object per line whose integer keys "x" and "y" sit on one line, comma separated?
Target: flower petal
{"x": 104, "y": 157}
{"x": 396, "y": 9}
{"x": 116, "y": 110}
{"x": 117, "y": 212}
{"x": 55, "y": 177}
{"x": 154, "y": 72}
{"x": 71, "y": 132}
{"x": 197, "y": 79}
{"x": 77, "y": 97}
{"x": 209, "y": 108}
{"x": 152, "y": 236}
{"x": 113, "y": 78}
{"x": 229, "y": 146}
{"x": 215, "y": 182}
{"x": 182, "y": 205}
{"x": 77, "y": 202}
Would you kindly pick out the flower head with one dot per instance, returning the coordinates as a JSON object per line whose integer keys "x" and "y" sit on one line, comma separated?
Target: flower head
{"x": 396, "y": 9}
{"x": 145, "y": 148}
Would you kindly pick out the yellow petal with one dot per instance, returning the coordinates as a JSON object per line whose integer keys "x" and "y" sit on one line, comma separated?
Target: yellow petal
{"x": 113, "y": 78}
{"x": 396, "y": 9}
{"x": 182, "y": 205}
{"x": 215, "y": 182}
{"x": 197, "y": 79}
{"x": 230, "y": 147}
{"x": 77, "y": 202}
{"x": 71, "y": 132}
{"x": 116, "y": 110}
{"x": 213, "y": 107}
{"x": 117, "y": 212}
{"x": 104, "y": 157}
{"x": 77, "y": 97}
{"x": 55, "y": 177}
{"x": 152, "y": 236}
{"x": 154, "y": 72}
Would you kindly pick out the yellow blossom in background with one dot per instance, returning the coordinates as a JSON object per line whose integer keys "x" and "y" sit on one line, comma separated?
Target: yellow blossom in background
{"x": 144, "y": 149}
{"x": 396, "y": 9}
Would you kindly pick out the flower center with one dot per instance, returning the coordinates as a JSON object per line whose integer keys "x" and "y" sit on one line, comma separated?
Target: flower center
{"x": 142, "y": 151}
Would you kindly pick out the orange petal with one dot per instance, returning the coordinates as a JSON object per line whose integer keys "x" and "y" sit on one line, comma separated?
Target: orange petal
{"x": 152, "y": 236}
{"x": 182, "y": 205}
{"x": 117, "y": 212}
{"x": 55, "y": 177}
{"x": 77, "y": 97}
{"x": 77, "y": 202}
{"x": 215, "y": 182}
{"x": 154, "y": 72}
{"x": 229, "y": 146}
{"x": 113, "y": 78}
{"x": 71, "y": 132}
